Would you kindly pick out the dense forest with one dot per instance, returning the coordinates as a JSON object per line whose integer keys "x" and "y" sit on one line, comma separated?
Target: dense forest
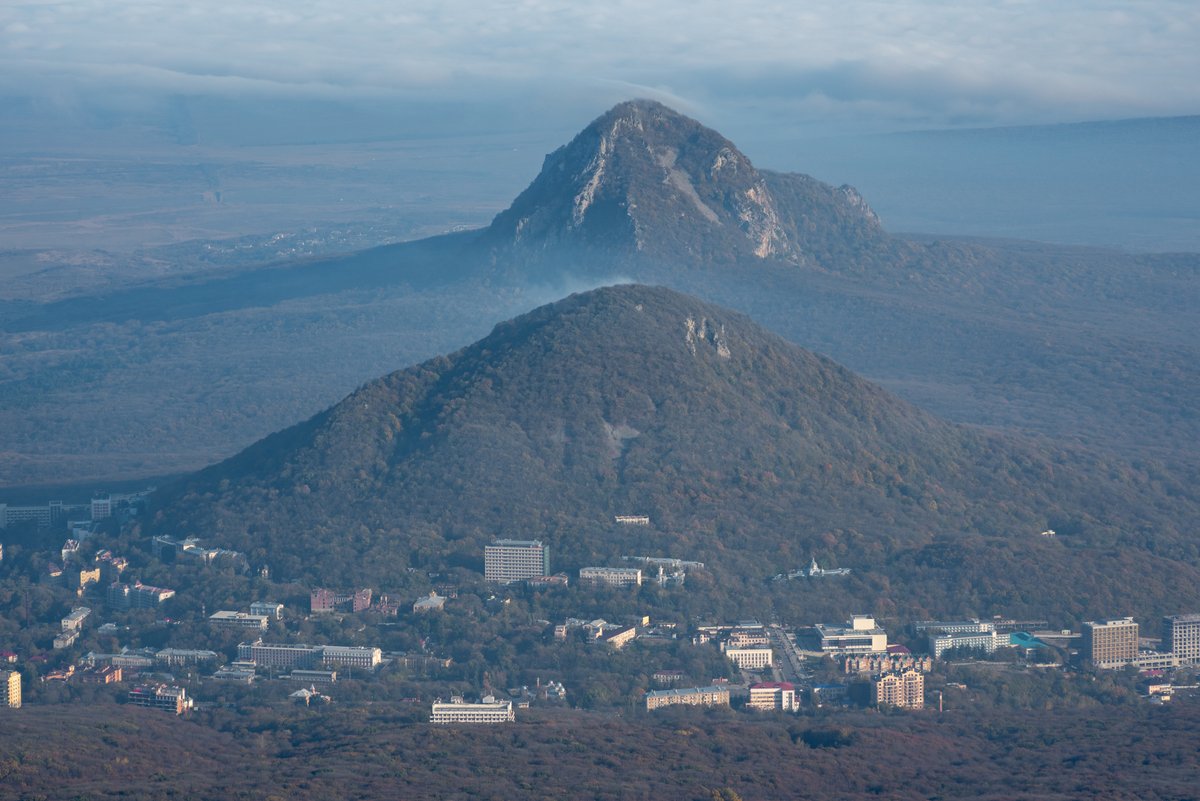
{"x": 100, "y": 752}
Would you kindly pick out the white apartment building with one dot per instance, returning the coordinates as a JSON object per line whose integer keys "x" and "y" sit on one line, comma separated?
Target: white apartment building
{"x": 750, "y": 658}
{"x": 489, "y": 710}
{"x": 612, "y": 576}
{"x": 238, "y": 620}
{"x": 988, "y": 641}
{"x": 350, "y": 656}
{"x": 278, "y": 655}
{"x": 773, "y": 696}
{"x": 507, "y": 561}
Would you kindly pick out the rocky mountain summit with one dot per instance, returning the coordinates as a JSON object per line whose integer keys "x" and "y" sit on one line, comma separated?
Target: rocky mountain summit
{"x": 644, "y": 179}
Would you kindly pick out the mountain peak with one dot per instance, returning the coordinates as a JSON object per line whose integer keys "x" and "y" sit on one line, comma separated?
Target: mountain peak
{"x": 643, "y": 179}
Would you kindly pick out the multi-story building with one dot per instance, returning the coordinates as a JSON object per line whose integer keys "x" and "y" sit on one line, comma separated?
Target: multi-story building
{"x": 278, "y": 655}
{"x": 986, "y": 641}
{"x": 884, "y": 663}
{"x": 748, "y": 638}
{"x": 952, "y": 626}
{"x": 507, "y": 561}
{"x": 1181, "y": 637}
{"x": 181, "y": 657}
{"x": 238, "y": 620}
{"x": 66, "y": 639}
{"x": 314, "y": 676}
{"x": 489, "y": 710}
{"x": 905, "y": 689}
{"x": 613, "y": 576}
{"x": 1110, "y": 643}
{"x": 107, "y": 674}
{"x": 323, "y": 601}
{"x": 774, "y": 695}
{"x": 268, "y": 609}
{"x": 619, "y": 638}
{"x": 161, "y": 696}
{"x": 138, "y": 596}
{"x": 350, "y": 656}
{"x": 860, "y": 635}
{"x": 750, "y": 658}
{"x": 10, "y": 689}
{"x": 102, "y": 508}
{"x": 692, "y": 696}
{"x": 74, "y": 621}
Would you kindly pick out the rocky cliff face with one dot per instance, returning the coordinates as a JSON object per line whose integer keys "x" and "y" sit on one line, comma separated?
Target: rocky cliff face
{"x": 643, "y": 179}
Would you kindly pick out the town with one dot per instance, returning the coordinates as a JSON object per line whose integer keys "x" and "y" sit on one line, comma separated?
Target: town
{"x": 469, "y": 648}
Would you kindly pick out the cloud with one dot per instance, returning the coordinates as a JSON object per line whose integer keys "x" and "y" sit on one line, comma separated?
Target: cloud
{"x": 997, "y": 60}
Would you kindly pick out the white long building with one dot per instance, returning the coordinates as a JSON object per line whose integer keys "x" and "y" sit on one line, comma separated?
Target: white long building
{"x": 489, "y": 710}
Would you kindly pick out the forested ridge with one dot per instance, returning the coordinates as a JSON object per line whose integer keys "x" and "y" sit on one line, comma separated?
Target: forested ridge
{"x": 747, "y": 453}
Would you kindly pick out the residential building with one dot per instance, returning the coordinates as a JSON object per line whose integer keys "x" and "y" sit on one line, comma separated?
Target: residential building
{"x": 885, "y": 663}
{"x": 1181, "y": 637}
{"x": 633, "y": 520}
{"x": 74, "y": 621}
{"x": 692, "y": 696}
{"x": 66, "y": 639}
{"x": 489, "y": 710}
{"x": 268, "y": 609}
{"x": 238, "y": 620}
{"x": 10, "y": 689}
{"x": 323, "y": 601}
{"x": 182, "y": 657}
{"x": 750, "y": 658}
{"x": 905, "y": 689}
{"x": 986, "y": 641}
{"x": 430, "y": 603}
{"x": 859, "y": 635}
{"x": 770, "y": 696}
{"x": 619, "y": 638}
{"x": 612, "y": 576}
{"x": 313, "y": 676}
{"x": 102, "y": 508}
{"x": 953, "y": 626}
{"x": 747, "y": 638}
{"x": 107, "y": 674}
{"x": 506, "y": 561}
{"x": 138, "y": 596}
{"x": 161, "y": 696}
{"x": 1110, "y": 643}
{"x": 350, "y": 656}
{"x": 79, "y": 577}
{"x": 667, "y": 678}
{"x": 278, "y": 655}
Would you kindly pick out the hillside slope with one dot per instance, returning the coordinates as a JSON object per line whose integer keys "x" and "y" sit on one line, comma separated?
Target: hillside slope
{"x": 746, "y": 451}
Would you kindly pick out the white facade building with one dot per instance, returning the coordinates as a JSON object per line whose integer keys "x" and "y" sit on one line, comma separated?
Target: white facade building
{"x": 750, "y": 658}
{"x": 507, "y": 561}
{"x": 861, "y": 636}
{"x": 489, "y": 710}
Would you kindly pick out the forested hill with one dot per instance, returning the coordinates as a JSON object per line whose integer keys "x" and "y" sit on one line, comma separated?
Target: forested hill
{"x": 747, "y": 452}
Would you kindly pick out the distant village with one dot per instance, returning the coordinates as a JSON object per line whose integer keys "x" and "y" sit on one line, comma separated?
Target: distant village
{"x": 772, "y": 667}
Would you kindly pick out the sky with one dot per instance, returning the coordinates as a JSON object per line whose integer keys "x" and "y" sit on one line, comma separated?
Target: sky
{"x": 818, "y": 66}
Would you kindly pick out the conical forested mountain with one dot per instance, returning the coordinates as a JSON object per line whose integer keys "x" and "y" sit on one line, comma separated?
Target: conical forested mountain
{"x": 747, "y": 452}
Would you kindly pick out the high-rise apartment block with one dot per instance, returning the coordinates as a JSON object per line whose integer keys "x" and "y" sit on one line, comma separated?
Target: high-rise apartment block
{"x": 507, "y": 561}
{"x": 10, "y": 688}
{"x": 904, "y": 689}
{"x": 1110, "y": 643}
{"x": 1181, "y": 636}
